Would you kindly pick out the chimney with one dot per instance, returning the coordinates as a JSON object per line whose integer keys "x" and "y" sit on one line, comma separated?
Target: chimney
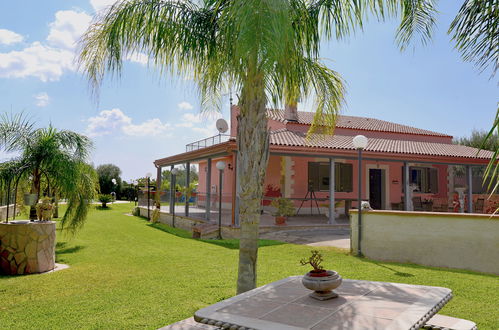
{"x": 291, "y": 112}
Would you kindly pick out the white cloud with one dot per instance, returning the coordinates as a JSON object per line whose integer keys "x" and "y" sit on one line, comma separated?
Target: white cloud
{"x": 204, "y": 125}
{"x": 37, "y": 60}
{"x": 115, "y": 121}
{"x": 8, "y": 37}
{"x": 151, "y": 127}
{"x": 107, "y": 122}
{"x": 191, "y": 118}
{"x": 42, "y": 99}
{"x": 140, "y": 58}
{"x": 68, "y": 27}
{"x": 101, "y": 4}
{"x": 185, "y": 106}
{"x": 50, "y": 59}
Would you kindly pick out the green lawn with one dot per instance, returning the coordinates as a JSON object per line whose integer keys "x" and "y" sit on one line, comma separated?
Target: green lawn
{"x": 126, "y": 273}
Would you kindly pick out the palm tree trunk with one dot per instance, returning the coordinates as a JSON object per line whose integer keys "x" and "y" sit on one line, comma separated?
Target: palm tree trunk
{"x": 252, "y": 159}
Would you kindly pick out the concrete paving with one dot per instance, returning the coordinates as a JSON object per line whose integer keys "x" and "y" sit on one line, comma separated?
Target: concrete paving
{"x": 339, "y": 238}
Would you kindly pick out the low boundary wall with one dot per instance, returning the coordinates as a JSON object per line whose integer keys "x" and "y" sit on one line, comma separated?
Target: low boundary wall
{"x": 187, "y": 223}
{"x": 454, "y": 240}
{"x": 3, "y": 211}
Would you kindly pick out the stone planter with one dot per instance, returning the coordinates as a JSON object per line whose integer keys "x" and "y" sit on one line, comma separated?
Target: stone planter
{"x": 322, "y": 285}
{"x": 27, "y": 248}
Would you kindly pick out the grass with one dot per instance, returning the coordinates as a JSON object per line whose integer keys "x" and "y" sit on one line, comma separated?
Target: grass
{"x": 127, "y": 273}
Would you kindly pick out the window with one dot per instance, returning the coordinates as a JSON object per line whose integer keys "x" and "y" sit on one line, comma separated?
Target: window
{"x": 425, "y": 178}
{"x": 318, "y": 177}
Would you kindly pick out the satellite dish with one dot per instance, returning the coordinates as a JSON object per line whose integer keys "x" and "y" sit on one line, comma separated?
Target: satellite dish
{"x": 222, "y": 125}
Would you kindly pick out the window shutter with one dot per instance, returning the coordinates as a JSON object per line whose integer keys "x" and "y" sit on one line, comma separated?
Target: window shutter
{"x": 346, "y": 172}
{"x": 313, "y": 176}
{"x": 433, "y": 180}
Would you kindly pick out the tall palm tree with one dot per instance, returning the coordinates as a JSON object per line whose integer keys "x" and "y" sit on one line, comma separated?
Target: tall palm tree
{"x": 250, "y": 45}
{"x": 50, "y": 159}
{"x": 268, "y": 50}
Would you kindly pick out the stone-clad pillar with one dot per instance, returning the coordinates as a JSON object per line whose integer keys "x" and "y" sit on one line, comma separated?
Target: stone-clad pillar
{"x": 27, "y": 248}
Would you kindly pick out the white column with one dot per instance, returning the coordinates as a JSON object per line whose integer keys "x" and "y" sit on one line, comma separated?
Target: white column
{"x": 208, "y": 190}
{"x": 187, "y": 183}
{"x": 407, "y": 193}
{"x": 469, "y": 174}
{"x": 332, "y": 184}
{"x": 172, "y": 191}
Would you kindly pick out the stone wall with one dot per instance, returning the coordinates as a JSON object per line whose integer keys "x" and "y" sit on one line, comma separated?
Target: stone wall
{"x": 27, "y": 248}
{"x": 455, "y": 240}
{"x": 3, "y": 211}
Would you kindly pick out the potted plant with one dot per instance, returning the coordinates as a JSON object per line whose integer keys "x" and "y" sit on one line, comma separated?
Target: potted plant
{"x": 156, "y": 213}
{"x": 104, "y": 199}
{"x": 45, "y": 209}
{"x": 321, "y": 281}
{"x": 30, "y": 199}
{"x": 283, "y": 208}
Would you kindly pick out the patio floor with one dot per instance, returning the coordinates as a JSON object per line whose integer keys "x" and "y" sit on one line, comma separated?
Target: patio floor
{"x": 266, "y": 220}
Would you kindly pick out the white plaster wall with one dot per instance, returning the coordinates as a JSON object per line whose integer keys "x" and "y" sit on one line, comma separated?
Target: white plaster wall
{"x": 465, "y": 241}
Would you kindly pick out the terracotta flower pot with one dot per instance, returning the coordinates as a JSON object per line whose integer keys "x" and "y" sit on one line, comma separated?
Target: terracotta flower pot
{"x": 322, "y": 286}
{"x": 280, "y": 220}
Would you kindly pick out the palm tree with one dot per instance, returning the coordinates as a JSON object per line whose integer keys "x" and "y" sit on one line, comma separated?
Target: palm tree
{"x": 250, "y": 45}
{"x": 51, "y": 160}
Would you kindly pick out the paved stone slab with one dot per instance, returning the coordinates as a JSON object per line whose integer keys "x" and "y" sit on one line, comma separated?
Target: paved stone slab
{"x": 339, "y": 238}
{"x": 188, "y": 324}
{"x": 286, "y": 305}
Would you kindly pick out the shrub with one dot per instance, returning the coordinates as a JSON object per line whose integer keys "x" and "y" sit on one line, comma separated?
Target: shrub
{"x": 104, "y": 199}
{"x": 284, "y": 207}
{"x": 136, "y": 211}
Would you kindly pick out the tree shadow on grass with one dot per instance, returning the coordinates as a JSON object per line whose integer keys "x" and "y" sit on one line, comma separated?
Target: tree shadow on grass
{"x": 62, "y": 249}
{"x": 232, "y": 244}
{"x": 100, "y": 208}
{"x": 416, "y": 267}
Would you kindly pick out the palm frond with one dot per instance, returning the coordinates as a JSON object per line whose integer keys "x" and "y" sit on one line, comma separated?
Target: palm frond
{"x": 15, "y": 131}
{"x": 173, "y": 34}
{"x": 476, "y": 33}
{"x": 418, "y": 18}
{"x": 491, "y": 175}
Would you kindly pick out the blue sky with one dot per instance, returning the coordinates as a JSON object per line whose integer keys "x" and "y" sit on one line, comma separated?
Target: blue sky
{"x": 143, "y": 116}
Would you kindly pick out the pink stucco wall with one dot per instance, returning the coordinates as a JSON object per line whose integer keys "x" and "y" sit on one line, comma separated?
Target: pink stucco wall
{"x": 228, "y": 177}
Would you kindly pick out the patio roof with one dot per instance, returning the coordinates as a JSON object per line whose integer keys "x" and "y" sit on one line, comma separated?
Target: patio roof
{"x": 283, "y": 141}
{"x": 357, "y": 123}
{"x": 284, "y": 137}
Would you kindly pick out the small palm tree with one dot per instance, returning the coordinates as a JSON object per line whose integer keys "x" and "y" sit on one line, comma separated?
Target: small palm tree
{"x": 49, "y": 159}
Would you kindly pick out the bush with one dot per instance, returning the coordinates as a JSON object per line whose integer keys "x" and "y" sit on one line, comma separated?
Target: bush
{"x": 104, "y": 199}
{"x": 283, "y": 207}
{"x": 136, "y": 211}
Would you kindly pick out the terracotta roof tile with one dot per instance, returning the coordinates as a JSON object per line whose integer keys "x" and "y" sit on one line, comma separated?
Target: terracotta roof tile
{"x": 352, "y": 122}
{"x": 289, "y": 138}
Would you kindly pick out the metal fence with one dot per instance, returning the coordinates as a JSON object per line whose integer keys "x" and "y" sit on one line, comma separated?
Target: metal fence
{"x": 208, "y": 142}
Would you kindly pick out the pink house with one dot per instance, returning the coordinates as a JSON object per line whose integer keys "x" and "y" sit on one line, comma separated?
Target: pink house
{"x": 320, "y": 175}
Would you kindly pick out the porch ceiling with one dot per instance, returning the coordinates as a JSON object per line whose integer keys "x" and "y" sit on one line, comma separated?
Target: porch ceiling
{"x": 225, "y": 148}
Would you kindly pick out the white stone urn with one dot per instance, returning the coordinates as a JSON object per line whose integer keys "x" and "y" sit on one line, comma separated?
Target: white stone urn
{"x": 460, "y": 192}
{"x": 30, "y": 199}
{"x": 322, "y": 286}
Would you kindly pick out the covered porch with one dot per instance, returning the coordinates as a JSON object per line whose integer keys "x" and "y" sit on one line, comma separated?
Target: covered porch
{"x": 322, "y": 178}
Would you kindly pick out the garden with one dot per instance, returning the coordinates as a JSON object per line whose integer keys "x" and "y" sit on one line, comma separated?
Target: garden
{"x": 128, "y": 273}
